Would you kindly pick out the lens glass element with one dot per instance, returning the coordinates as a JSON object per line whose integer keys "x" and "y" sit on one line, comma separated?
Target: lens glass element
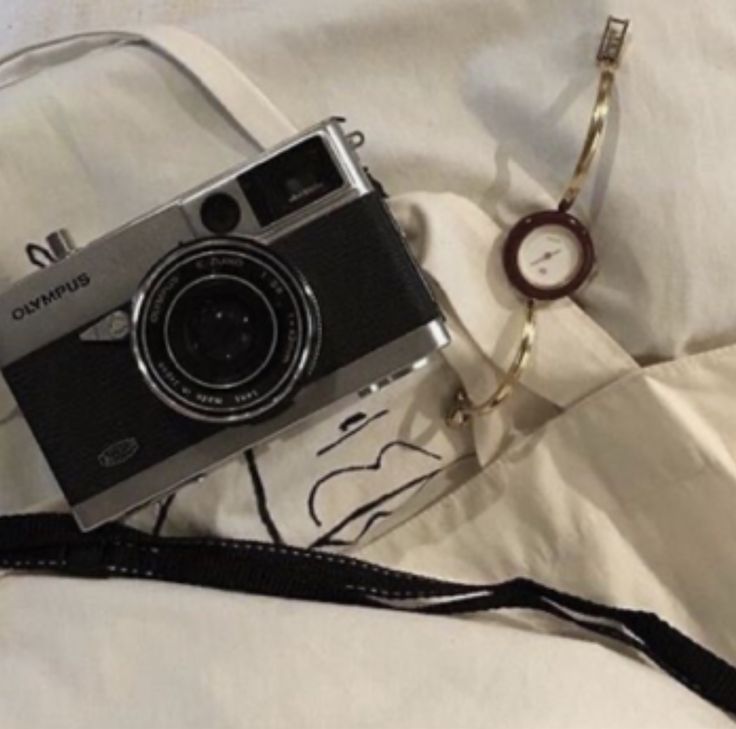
{"x": 221, "y": 331}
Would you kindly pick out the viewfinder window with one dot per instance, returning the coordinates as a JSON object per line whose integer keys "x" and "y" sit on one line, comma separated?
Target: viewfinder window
{"x": 291, "y": 181}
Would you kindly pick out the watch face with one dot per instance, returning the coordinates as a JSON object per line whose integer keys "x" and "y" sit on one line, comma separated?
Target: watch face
{"x": 549, "y": 255}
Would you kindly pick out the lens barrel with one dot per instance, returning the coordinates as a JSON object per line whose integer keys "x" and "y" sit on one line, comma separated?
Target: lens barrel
{"x": 224, "y": 330}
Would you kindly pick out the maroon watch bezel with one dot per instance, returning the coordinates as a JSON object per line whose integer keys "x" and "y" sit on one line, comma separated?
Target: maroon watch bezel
{"x": 537, "y": 220}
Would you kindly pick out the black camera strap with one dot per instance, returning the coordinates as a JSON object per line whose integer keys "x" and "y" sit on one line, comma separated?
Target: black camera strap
{"x": 52, "y": 543}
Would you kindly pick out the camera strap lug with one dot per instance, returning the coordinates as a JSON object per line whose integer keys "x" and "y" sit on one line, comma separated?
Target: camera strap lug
{"x": 61, "y": 244}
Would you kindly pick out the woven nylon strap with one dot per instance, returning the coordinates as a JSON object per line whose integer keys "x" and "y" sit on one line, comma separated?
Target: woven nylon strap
{"x": 51, "y": 543}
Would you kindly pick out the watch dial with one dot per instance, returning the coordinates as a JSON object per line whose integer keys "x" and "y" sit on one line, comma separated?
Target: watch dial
{"x": 549, "y": 257}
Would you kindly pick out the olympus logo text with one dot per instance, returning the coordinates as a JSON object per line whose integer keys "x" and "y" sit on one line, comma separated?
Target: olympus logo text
{"x": 51, "y": 297}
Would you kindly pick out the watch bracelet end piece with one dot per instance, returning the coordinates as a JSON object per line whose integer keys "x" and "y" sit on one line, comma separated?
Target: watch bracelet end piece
{"x": 613, "y": 42}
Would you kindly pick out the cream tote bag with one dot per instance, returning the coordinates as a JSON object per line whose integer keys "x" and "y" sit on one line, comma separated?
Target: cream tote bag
{"x": 606, "y": 487}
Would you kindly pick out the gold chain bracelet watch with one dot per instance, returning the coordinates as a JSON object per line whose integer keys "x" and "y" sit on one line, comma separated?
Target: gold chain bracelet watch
{"x": 550, "y": 254}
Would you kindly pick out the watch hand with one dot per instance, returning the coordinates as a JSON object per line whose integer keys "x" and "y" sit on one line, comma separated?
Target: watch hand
{"x": 546, "y": 257}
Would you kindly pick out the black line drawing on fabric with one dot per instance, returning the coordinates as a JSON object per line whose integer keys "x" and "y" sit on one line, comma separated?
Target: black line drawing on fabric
{"x": 363, "y": 425}
{"x": 416, "y": 483}
{"x": 39, "y": 256}
{"x": 375, "y": 466}
{"x": 375, "y": 518}
{"x": 163, "y": 513}
{"x": 351, "y": 421}
{"x": 328, "y": 539}
{"x": 261, "y": 500}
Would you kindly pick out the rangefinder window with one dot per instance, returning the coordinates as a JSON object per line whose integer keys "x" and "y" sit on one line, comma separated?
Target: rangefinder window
{"x": 291, "y": 181}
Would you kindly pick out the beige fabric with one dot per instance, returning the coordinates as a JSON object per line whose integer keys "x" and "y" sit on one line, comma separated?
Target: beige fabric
{"x": 627, "y": 496}
{"x": 138, "y": 655}
{"x": 602, "y": 477}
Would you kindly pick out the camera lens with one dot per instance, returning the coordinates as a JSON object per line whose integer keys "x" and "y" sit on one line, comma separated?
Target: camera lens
{"x": 221, "y": 331}
{"x": 224, "y": 331}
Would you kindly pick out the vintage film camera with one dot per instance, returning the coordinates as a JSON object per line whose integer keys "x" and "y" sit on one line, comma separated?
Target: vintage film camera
{"x": 196, "y": 331}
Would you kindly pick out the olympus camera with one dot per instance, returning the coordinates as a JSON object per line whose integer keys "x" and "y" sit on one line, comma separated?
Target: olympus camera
{"x": 207, "y": 326}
